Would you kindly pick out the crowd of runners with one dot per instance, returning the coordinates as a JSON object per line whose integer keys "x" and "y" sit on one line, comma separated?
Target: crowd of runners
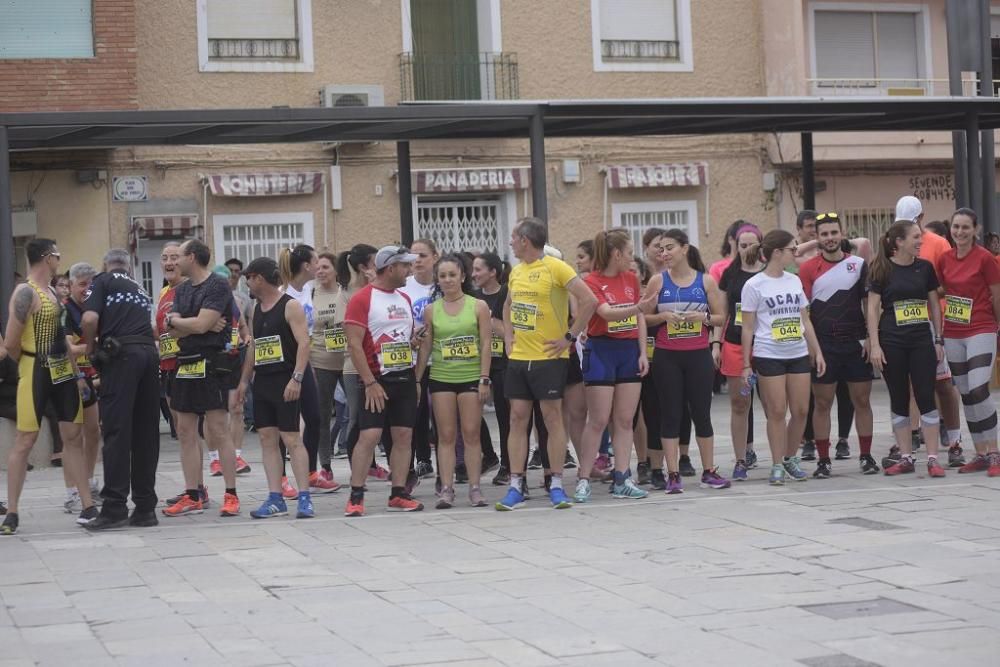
{"x": 401, "y": 351}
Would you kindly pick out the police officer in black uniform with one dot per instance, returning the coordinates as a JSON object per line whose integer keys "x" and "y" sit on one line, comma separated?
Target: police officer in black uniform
{"x": 118, "y": 316}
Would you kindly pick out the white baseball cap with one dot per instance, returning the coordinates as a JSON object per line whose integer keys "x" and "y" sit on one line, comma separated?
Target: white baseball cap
{"x": 908, "y": 208}
{"x": 393, "y": 254}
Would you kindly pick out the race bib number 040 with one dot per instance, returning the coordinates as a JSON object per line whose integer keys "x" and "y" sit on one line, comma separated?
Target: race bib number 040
{"x": 910, "y": 311}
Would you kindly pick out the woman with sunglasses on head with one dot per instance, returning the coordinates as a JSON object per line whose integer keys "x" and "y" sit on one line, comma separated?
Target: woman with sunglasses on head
{"x": 970, "y": 283}
{"x": 686, "y": 300}
{"x": 458, "y": 331}
{"x": 904, "y": 327}
{"x": 777, "y": 343}
{"x": 727, "y": 346}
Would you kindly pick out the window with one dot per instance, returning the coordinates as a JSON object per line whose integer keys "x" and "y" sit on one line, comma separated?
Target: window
{"x": 457, "y": 225}
{"x": 255, "y": 35}
{"x": 641, "y": 35}
{"x": 869, "y": 223}
{"x": 54, "y": 29}
{"x": 248, "y": 237}
{"x": 866, "y": 52}
{"x": 639, "y": 217}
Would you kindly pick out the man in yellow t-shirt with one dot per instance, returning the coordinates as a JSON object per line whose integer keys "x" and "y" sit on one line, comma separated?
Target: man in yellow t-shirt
{"x": 536, "y": 315}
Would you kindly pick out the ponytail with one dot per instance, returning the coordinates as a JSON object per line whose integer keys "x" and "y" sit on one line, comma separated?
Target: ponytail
{"x": 350, "y": 261}
{"x": 290, "y": 261}
{"x": 878, "y": 274}
{"x": 693, "y": 256}
{"x": 605, "y": 243}
{"x": 737, "y": 264}
{"x": 497, "y": 265}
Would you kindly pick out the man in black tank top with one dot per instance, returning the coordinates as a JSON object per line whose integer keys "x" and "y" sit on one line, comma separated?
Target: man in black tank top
{"x": 276, "y": 360}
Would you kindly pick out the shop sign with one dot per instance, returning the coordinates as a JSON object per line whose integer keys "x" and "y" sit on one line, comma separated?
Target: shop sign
{"x": 940, "y": 187}
{"x": 683, "y": 174}
{"x": 130, "y": 188}
{"x": 266, "y": 185}
{"x": 492, "y": 179}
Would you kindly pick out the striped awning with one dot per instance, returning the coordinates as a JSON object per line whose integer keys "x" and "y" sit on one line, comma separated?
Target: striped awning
{"x": 677, "y": 174}
{"x": 162, "y": 227}
{"x": 278, "y": 184}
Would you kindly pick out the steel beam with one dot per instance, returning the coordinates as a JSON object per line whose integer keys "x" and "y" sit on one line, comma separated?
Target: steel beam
{"x": 7, "y": 263}
{"x": 404, "y": 179}
{"x": 539, "y": 196}
{"x": 808, "y": 172}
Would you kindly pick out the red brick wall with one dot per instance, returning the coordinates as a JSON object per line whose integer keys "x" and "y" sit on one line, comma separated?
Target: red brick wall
{"x": 106, "y": 81}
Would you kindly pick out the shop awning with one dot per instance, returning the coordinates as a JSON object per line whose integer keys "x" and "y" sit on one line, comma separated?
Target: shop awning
{"x": 277, "y": 184}
{"x": 475, "y": 179}
{"x": 678, "y": 174}
{"x": 162, "y": 228}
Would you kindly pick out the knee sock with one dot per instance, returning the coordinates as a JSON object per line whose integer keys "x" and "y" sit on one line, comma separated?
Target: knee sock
{"x": 823, "y": 448}
{"x": 865, "y": 442}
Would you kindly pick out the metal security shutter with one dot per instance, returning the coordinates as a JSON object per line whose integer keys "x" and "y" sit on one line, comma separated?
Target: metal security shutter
{"x": 845, "y": 45}
{"x": 51, "y": 29}
{"x": 455, "y": 226}
{"x": 251, "y": 19}
{"x": 247, "y": 242}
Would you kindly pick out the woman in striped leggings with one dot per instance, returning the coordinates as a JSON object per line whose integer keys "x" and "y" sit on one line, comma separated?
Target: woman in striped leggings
{"x": 970, "y": 283}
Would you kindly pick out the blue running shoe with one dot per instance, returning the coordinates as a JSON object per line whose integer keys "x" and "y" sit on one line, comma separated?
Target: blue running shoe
{"x": 794, "y": 469}
{"x": 740, "y": 472}
{"x": 777, "y": 477}
{"x": 628, "y": 490}
{"x": 511, "y": 501}
{"x": 306, "y": 510}
{"x": 560, "y": 500}
{"x": 273, "y": 506}
{"x": 751, "y": 458}
{"x": 582, "y": 493}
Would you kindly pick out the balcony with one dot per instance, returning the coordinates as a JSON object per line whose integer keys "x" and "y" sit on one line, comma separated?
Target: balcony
{"x": 891, "y": 87}
{"x": 449, "y": 76}
{"x": 253, "y": 49}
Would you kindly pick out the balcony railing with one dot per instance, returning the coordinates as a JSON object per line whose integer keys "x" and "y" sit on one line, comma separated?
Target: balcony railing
{"x": 449, "y": 76}
{"x": 253, "y": 49}
{"x": 892, "y": 87}
{"x": 638, "y": 49}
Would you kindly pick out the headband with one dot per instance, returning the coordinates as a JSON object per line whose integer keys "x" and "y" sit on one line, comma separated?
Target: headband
{"x": 753, "y": 229}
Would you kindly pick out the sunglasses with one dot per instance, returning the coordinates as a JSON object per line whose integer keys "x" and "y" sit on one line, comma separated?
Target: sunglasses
{"x": 52, "y": 254}
{"x": 827, "y": 216}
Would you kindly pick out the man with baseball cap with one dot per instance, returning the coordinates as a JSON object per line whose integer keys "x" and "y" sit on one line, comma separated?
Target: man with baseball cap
{"x": 380, "y": 339}
{"x": 933, "y": 246}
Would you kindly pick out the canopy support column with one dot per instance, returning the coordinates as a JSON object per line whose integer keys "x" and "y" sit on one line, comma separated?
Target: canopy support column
{"x": 7, "y": 262}
{"x": 539, "y": 198}
{"x": 975, "y": 163}
{"x": 405, "y": 182}
{"x": 808, "y": 173}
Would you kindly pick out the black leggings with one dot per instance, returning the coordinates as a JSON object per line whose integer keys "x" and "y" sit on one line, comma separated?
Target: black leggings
{"x": 906, "y": 366}
{"x": 845, "y": 413}
{"x": 502, "y": 407}
{"x": 650, "y": 401}
{"x": 692, "y": 372}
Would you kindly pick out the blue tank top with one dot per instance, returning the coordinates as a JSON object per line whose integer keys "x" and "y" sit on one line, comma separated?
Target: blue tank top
{"x": 692, "y": 335}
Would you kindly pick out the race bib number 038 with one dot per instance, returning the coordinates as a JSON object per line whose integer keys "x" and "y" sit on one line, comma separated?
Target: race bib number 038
{"x": 396, "y": 356}
{"x": 786, "y": 330}
{"x": 910, "y": 311}
{"x": 267, "y": 350}
{"x": 958, "y": 310}
{"x": 523, "y": 316}
{"x": 459, "y": 348}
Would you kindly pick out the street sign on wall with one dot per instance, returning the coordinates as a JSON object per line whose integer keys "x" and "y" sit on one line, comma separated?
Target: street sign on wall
{"x": 130, "y": 188}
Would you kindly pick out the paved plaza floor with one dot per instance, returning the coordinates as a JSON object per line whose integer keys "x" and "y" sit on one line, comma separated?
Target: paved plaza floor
{"x": 847, "y": 572}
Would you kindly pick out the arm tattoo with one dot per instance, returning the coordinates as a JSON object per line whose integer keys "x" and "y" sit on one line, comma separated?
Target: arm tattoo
{"x": 23, "y": 301}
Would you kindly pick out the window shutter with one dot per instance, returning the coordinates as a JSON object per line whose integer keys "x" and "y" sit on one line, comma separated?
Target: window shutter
{"x": 53, "y": 29}
{"x": 252, "y": 19}
{"x": 897, "y": 46}
{"x": 653, "y": 20}
{"x": 845, "y": 45}
{"x": 994, "y": 27}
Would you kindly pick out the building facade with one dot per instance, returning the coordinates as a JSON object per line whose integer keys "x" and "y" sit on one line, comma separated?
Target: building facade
{"x": 252, "y": 200}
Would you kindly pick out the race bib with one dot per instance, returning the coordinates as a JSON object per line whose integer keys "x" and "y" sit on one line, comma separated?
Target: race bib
{"x": 630, "y": 323}
{"x": 459, "y": 348}
{"x": 958, "y": 310}
{"x": 267, "y": 350}
{"x": 192, "y": 371}
{"x": 234, "y": 340}
{"x": 396, "y": 356}
{"x": 523, "y": 316}
{"x": 60, "y": 369}
{"x": 168, "y": 347}
{"x": 83, "y": 361}
{"x": 739, "y": 315}
{"x": 335, "y": 340}
{"x": 786, "y": 330}
{"x": 911, "y": 311}
{"x": 496, "y": 346}
{"x": 690, "y": 329}
{"x": 650, "y": 347}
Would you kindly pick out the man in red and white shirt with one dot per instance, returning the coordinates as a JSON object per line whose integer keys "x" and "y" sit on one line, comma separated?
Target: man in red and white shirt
{"x": 379, "y": 327}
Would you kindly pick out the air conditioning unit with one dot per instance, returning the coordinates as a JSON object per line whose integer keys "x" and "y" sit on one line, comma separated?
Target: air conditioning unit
{"x": 352, "y": 96}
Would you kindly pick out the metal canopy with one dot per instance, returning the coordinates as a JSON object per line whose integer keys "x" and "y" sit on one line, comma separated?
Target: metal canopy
{"x": 480, "y": 120}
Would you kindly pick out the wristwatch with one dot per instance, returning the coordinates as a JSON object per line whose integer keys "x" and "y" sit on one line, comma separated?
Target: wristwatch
{"x": 298, "y": 377}
{"x": 570, "y": 337}
{"x": 485, "y": 380}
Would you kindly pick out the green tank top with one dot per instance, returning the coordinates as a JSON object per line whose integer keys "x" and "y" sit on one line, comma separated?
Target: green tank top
{"x": 455, "y": 349}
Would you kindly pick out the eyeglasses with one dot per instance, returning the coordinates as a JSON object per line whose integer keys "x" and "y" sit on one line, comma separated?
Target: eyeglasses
{"x": 827, "y": 217}
{"x": 789, "y": 248}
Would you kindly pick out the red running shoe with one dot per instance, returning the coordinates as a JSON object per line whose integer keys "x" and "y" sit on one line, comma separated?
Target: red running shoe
{"x": 355, "y": 508}
{"x": 288, "y": 492}
{"x": 934, "y": 468}
{"x": 404, "y": 504}
{"x": 215, "y": 468}
{"x": 905, "y": 465}
{"x": 977, "y": 464}
{"x": 242, "y": 467}
{"x": 994, "y": 469}
{"x": 230, "y": 505}
{"x": 319, "y": 484}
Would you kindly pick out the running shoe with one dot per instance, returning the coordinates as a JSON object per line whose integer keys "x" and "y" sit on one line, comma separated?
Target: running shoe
{"x": 740, "y": 471}
{"x": 326, "y": 474}
{"x": 657, "y": 480}
{"x": 570, "y": 461}
{"x": 524, "y": 488}
{"x": 446, "y": 498}
{"x": 955, "y": 457}
{"x": 273, "y": 506}
{"x": 934, "y": 468}
{"x": 305, "y": 508}
{"x": 777, "y": 476}
{"x": 674, "y": 484}
{"x": 868, "y": 465}
{"x": 242, "y": 467}
{"x": 318, "y": 483}
{"x": 424, "y": 469}
{"x": 72, "y": 504}
{"x": 642, "y": 473}
{"x": 823, "y": 469}
{"x": 379, "y": 473}
{"x": 893, "y": 458}
{"x": 751, "y": 458}
{"x": 511, "y": 501}
{"x": 843, "y": 450}
{"x": 230, "y": 505}
{"x": 903, "y": 466}
{"x": 582, "y": 493}
{"x": 711, "y": 479}
{"x": 215, "y": 468}
{"x": 560, "y": 500}
{"x": 461, "y": 474}
{"x": 686, "y": 469}
{"x": 288, "y": 492}
{"x": 994, "y": 469}
{"x": 917, "y": 439}
{"x": 95, "y": 490}
{"x": 143, "y": 519}
{"x": 3, "y": 508}
{"x": 490, "y": 463}
{"x": 404, "y": 503}
{"x": 628, "y": 490}
{"x": 412, "y": 482}
{"x": 87, "y": 515}
{"x": 978, "y": 464}
{"x": 502, "y": 477}
{"x": 794, "y": 468}
{"x": 601, "y": 464}
{"x": 535, "y": 462}
{"x": 202, "y": 492}
{"x": 476, "y": 497}
{"x": 105, "y": 522}
{"x": 355, "y": 508}
{"x": 809, "y": 450}
{"x": 9, "y": 525}
{"x": 184, "y": 506}
{"x": 341, "y": 453}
